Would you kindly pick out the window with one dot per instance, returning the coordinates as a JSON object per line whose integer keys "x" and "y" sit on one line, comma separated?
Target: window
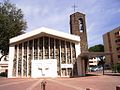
{"x": 81, "y": 27}
{"x": 51, "y": 48}
{"x": 46, "y": 44}
{"x": 35, "y": 49}
{"x": 118, "y": 56}
{"x": 40, "y": 48}
{"x": 90, "y": 61}
{"x": 118, "y": 48}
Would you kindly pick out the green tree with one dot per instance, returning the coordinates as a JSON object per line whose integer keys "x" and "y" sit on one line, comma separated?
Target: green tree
{"x": 97, "y": 48}
{"x": 11, "y": 24}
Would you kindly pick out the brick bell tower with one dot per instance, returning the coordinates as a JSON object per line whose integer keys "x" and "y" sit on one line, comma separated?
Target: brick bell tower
{"x": 78, "y": 27}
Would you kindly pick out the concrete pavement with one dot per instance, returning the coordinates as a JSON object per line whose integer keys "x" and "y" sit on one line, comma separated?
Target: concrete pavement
{"x": 101, "y": 82}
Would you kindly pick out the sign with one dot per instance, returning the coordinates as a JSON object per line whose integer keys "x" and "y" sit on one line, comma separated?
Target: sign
{"x": 66, "y": 65}
{"x": 44, "y": 68}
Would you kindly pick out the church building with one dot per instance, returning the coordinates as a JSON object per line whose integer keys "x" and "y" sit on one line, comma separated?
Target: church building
{"x": 46, "y": 52}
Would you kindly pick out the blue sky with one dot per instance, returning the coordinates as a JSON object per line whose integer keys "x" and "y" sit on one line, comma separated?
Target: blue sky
{"x": 101, "y": 15}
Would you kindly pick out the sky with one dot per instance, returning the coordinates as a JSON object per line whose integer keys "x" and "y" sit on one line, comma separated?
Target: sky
{"x": 101, "y": 15}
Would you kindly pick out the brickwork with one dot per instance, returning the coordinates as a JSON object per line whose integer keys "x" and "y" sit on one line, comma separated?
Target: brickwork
{"x": 78, "y": 27}
{"x": 112, "y": 44}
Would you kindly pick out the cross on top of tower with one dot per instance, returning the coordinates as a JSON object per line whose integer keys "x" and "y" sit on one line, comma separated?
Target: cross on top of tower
{"x": 74, "y": 7}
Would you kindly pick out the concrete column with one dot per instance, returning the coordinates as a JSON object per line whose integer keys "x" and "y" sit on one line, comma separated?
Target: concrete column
{"x": 43, "y": 49}
{"x": 27, "y": 57}
{"x": 54, "y": 49}
{"x": 60, "y": 56}
{"x": 22, "y": 59}
{"x": 65, "y": 52}
{"x": 71, "y": 52}
{"x": 10, "y": 63}
{"x": 77, "y": 49}
{"x": 33, "y": 49}
{"x": 38, "y": 48}
{"x": 71, "y": 56}
{"x": 66, "y": 57}
{"x": 49, "y": 47}
{"x": 17, "y": 60}
{"x": 80, "y": 67}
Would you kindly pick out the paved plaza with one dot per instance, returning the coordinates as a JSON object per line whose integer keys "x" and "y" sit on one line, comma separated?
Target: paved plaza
{"x": 101, "y": 82}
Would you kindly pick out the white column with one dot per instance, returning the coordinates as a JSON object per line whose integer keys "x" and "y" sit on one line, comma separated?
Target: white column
{"x": 54, "y": 49}
{"x": 43, "y": 49}
{"x": 27, "y": 57}
{"x": 60, "y": 56}
{"x": 71, "y": 55}
{"x": 38, "y": 48}
{"x": 33, "y": 49}
{"x": 65, "y": 52}
{"x": 49, "y": 47}
{"x": 22, "y": 59}
{"x": 66, "y": 57}
{"x": 77, "y": 49}
{"x": 17, "y": 60}
{"x": 10, "y": 63}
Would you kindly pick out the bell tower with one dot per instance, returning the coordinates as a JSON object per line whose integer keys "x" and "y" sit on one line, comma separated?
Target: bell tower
{"x": 78, "y": 27}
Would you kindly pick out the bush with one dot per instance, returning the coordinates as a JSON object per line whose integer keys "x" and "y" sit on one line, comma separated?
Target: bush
{"x": 118, "y": 67}
{"x": 3, "y": 74}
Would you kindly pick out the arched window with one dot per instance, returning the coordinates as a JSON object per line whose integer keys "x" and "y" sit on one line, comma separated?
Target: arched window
{"x": 81, "y": 26}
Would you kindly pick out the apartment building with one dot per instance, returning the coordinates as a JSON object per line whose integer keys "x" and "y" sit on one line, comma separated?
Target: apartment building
{"x": 112, "y": 44}
{"x": 94, "y": 61}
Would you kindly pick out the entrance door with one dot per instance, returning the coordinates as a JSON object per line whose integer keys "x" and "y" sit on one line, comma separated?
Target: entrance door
{"x": 64, "y": 72}
{"x": 67, "y": 72}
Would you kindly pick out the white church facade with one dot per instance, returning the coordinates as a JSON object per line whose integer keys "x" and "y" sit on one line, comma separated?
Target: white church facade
{"x": 46, "y": 52}
{"x": 43, "y": 53}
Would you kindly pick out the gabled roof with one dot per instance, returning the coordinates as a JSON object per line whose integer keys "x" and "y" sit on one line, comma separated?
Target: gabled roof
{"x": 47, "y": 31}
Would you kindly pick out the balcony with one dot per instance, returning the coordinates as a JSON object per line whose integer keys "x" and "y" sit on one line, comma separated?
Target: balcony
{"x": 117, "y": 41}
{"x": 117, "y": 34}
{"x": 118, "y": 49}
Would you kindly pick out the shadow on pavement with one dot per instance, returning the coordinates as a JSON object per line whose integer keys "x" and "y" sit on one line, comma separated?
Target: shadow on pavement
{"x": 112, "y": 74}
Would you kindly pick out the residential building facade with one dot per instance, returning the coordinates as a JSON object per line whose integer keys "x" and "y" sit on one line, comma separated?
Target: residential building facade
{"x": 112, "y": 44}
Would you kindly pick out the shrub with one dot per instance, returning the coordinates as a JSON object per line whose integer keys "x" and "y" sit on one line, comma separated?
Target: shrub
{"x": 3, "y": 74}
{"x": 118, "y": 67}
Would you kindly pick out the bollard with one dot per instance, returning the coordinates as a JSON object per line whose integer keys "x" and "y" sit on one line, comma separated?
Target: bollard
{"x": 43, "y": 84}
{"x": 118, "y": 87}
{"x": 87, "y": 88}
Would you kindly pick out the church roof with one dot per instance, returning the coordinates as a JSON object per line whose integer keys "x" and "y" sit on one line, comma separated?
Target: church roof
{"x": 45, "y": 31}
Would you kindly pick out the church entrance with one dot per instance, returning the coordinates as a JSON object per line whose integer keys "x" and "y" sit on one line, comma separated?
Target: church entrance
{"x": 66, "y": 70}
{"x": 44, "y": 68}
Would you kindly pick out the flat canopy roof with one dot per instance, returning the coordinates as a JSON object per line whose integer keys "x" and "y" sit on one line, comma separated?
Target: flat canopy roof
{"x": 45, "y": 31}
{"x": 95, "y": 54}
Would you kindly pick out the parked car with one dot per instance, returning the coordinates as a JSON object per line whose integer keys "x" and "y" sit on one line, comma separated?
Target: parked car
{"x": 94, "y": 69}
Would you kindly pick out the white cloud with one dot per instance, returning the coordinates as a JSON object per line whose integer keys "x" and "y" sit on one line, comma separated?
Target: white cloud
{"x": 101, "y": 16}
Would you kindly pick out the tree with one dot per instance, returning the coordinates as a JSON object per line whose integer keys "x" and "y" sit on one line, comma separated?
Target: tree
{"x": 11, "y": 24}
{"x": 97, "y": 48}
